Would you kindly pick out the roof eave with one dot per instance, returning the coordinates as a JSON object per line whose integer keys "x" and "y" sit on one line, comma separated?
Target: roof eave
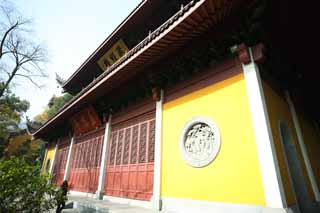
{"x": 105, "y": 42}
{"x": 115, "y": 69}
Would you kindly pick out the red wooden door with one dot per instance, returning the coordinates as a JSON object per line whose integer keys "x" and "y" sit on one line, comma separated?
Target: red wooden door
{"x": 85, "y": 161}
{"x": 60, "y": 161}
{"x": 131, "y": 159}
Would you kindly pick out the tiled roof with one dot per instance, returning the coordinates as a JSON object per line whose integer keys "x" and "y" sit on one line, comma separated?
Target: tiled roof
{"x": 207, "y": 12}
{"x": 135, "y": 49}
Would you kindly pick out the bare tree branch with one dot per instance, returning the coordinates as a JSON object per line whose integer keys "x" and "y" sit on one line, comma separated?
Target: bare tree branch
{"x": 8, "y": 73}
{"x": 30, "y": 79}
{"x": 18, "y": 52}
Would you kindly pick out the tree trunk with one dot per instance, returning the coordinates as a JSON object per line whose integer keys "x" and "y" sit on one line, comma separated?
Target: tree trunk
{"x": 3, "y": 89}
{"x": 5, "y": 37}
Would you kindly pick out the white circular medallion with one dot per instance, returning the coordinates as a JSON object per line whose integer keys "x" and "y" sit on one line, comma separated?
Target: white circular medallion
{"x": 199, "y": 141}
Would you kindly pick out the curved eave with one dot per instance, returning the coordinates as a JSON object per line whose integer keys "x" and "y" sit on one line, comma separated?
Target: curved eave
{"x": 143, "y": 7}
{"x": 191, "y": 21}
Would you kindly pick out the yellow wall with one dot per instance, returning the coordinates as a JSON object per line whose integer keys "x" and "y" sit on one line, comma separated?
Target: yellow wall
{"x": 50, "y": 153}
{"x": 278, "y": 109}
{"x": 311, "y": 136}
{"x": 234, "y": 176}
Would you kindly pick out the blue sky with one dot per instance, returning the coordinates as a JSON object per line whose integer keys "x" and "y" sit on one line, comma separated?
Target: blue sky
{"x": 71, "y": 30}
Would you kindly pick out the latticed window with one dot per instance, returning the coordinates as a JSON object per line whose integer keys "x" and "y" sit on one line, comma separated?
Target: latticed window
{"x": 61, "y": 160}
{"x": 87, "y": 151}
{"x": 131, "y": 158}
{"x": 134, "y": 144}
{"x": 86, "y": 160}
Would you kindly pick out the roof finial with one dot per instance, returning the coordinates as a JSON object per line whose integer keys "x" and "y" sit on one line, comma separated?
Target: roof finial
{"x": 60, "y": 80}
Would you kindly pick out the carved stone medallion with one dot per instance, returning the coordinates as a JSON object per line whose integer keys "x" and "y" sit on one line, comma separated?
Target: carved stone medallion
{"x": 199, "y": 141}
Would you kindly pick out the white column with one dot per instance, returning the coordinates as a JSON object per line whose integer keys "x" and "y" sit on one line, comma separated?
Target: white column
{"x": 156, "y": 198}
{"x": 54, "y": 158}
{"x": 104, "y": 159}
{"x": 270, "y": 172}
{"x": 303, "y": 147}
{"x": 67, "y": 170}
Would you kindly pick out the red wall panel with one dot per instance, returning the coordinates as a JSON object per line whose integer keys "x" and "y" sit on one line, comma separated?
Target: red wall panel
{"x": 131, "y": 160}
{"x": 85, "y": 162}
{"x": 60, "y": 161}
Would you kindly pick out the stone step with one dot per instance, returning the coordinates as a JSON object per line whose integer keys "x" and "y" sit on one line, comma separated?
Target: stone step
{"x": 86, "y": 204}
{"x": 70, "y": 210}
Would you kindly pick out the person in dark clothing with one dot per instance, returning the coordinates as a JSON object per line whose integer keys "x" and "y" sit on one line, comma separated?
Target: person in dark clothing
{"x": 64, "y": 188}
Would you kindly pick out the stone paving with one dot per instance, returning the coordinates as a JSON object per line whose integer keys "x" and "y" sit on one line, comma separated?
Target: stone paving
{"x": 86, "y": 204}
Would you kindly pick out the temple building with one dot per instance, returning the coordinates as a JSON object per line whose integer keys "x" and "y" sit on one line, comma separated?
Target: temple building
{"x": 192, "y": 106}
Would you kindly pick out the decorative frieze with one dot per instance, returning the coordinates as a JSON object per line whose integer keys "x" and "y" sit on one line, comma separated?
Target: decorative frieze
{"x": 199, "y": 142}
{"x": 85, "y": 121}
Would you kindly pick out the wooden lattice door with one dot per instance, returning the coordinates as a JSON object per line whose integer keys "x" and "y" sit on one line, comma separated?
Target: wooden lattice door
{"x": 85, "y": 161}
{"x": 131, "y": 159}
{"x": 61, "y": 160}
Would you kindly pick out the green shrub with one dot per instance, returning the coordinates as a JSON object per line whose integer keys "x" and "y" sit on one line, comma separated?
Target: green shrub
{"x": 23, "y": 189}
